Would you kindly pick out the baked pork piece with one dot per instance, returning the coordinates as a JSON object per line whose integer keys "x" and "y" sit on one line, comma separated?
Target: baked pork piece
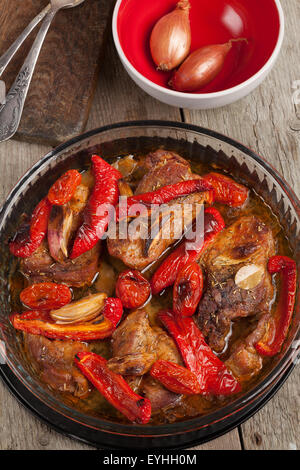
{"x": 232, "y": 293}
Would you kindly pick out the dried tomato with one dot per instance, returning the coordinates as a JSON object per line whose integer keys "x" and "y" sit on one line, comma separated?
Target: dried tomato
{"x": 132, "y": 288}
{"x": 46, "y": 296}
{"x": 63, "y": 189}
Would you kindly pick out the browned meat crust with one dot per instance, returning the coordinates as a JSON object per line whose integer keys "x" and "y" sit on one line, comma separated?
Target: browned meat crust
{"x": 164, "y": 168}
{"x": 134, "y": 337}
{"x": 159, "y": 396}
{"x": 132, "y": 364}
{"x": 165, "y": 348}
{"x": 136, "y": 346}
{"x": 246, "y": 241}
{"x": 55, "y": 362}
{"x": 140, "y": 252}
{"x": 41, "y": 267}
{"x": 244, "y": 361}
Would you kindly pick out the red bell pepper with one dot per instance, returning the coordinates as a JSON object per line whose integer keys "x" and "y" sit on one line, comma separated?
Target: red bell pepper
{"x": 113, "y": 387}
{"x": 187, "y": 290}
{"x": 166, "y": 194}
{"x": 132, "y": 288}
{"x": 63, "y": 189}
{"x": 113, "y": 310}
{"x": 35, "y": 315}
{"x": 167, "y": 272}
{"x": 46, "y": 296}
{"x": 35, "y": 324}
{"x": 213, "y": 376}
{"x": 272, "y": 342}
{"x": 176, "y": 378}
{"x": 28, "y": 239}
{"x": 97, "y": 213}
{"x": 226, "y": 190}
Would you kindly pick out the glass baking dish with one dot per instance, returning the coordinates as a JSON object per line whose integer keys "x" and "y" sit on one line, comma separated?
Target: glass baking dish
{"x": 191, "y": 142}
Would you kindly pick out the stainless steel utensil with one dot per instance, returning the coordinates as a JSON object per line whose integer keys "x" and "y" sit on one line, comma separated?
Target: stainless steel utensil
{"x": 11, "y": 110}
{"x": 2, "y": 92}
{"x": 8, "y": 55}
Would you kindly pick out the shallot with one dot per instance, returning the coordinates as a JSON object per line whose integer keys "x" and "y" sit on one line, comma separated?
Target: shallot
{"x": 170, "y": 39}
{"x": 201, "y": 67}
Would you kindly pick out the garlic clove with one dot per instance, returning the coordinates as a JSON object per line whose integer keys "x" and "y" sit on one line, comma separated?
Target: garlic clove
{"x": 249, "y": 276}
{"x": 82, "y": 310}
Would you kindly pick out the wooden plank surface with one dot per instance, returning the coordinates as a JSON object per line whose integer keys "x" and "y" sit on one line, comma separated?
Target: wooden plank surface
{"x": 65, "y": 78}
{"x": 261, "y": 121}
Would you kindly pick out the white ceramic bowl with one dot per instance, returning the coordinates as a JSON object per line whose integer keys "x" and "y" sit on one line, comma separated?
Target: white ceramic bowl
{"x": 201, "y": 100}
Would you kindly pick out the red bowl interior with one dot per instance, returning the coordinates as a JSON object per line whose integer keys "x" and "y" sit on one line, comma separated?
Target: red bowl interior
{"x": 212, "y": 22}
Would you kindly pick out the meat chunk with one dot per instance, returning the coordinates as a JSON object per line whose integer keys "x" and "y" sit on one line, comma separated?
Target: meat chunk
{"x": 133, "y": 344}
{"x": 41, "y": 267}
{"x": 244, "y": 360}
{"x": 136, "y": 346}
{"x": 148, "y": 237}
{"x": 245, "y": 242}
{"x": 166, "y": 349}
{"x": 159, "y": 396}
{"x": 55, "y": 362}
{"x": 164, "y": 168}
{"x": 135, "y": 364}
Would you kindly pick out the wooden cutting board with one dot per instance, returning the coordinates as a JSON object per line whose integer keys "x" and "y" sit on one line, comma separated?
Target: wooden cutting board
{"x": 65, "y": 78}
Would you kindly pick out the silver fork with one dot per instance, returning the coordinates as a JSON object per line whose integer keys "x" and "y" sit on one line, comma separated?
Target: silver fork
{"x": 12, "y": 108}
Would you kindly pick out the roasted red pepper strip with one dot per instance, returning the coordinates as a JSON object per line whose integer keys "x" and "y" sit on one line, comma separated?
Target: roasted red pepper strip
{"x": 113, "y": 387}
{"x": 271, "y": 343}
{"x": 176, "y": 378}
{"x": 187, "y": 290}
{"x": 27, "y": 241}
{"x": 35, "y": 315}
{"x": 213, "y": 376}
{"x": 113, "y": 310}
{"x": 80, "y": 332}
{"x": 63, "y": 189}
{"x": 167, "y": 272}
{"x": 98, "y": 211}
{"x": 226, "y": 190}
{"x": 166, "y": 194}
{"x": 46, "y": 296}
{"x": 132, "y": 288}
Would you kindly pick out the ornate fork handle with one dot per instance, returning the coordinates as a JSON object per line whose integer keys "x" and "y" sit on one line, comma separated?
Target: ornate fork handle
{"x": 11, "y": 111}
{"x": 8, "y": 55}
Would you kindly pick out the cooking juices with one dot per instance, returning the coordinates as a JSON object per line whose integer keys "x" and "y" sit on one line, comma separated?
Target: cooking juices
{"x": 110, "y": 268}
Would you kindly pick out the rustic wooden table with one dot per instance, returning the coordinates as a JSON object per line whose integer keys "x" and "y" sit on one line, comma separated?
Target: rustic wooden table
{"x": 265, "y": 121}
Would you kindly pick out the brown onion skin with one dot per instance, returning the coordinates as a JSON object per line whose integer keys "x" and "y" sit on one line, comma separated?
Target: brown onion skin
{"x": 170, "y": 40}
{"x": 200, "y": 68}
